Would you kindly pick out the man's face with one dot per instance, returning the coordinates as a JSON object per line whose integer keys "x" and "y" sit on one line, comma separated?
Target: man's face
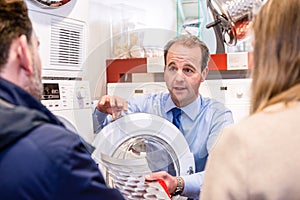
{"x": 35, "y": 84}
{"x": 183, "y": 73}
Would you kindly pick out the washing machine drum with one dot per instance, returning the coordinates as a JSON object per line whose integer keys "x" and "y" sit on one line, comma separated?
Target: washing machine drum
{"x": 140, "y": 143}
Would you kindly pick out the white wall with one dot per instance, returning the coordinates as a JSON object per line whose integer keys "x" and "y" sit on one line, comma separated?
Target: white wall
{"x": 154, "y": 20}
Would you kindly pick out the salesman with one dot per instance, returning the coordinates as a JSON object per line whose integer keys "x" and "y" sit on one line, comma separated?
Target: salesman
{"x": 199, "y": 119}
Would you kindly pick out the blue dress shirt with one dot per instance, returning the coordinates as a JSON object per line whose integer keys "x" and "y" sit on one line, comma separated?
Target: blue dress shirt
{"x": 201, "y": 123}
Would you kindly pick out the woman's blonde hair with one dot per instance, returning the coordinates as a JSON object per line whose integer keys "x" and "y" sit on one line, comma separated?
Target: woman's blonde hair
{"x": 276, "y": 57}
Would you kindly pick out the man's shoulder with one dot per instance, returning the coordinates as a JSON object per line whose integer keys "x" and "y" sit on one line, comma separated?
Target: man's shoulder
{"x": 55, "y": 130}
{"x": 54, "y": 139}
{"x": 213, "y": 104}
{"x": 159, "y": 96}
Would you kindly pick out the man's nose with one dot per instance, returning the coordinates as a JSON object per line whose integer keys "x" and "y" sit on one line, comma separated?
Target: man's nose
{"x": 180, "y": 75}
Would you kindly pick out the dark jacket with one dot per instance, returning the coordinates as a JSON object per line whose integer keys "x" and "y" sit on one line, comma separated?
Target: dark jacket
{"x": 39, "y": 157}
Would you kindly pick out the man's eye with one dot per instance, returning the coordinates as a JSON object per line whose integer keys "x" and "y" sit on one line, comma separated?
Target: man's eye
{"x": 188, "y": 70}
{"x": 172, "y": 68}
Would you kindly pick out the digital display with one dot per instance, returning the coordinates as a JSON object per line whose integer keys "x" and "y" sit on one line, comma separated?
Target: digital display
{"x": 50, "y": 91}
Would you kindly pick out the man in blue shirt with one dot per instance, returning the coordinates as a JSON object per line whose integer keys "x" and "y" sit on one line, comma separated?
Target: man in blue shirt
{"x": 201, "y": 119}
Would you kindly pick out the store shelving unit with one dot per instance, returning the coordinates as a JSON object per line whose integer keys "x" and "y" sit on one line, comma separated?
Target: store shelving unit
{"x": 189, "y": 16}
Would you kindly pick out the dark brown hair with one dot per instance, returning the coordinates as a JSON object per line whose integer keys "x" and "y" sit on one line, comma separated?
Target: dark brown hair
{"x": 14, "y": 22}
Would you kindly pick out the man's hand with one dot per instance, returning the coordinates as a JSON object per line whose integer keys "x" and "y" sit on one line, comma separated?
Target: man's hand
{"x": 170, "y": 181}
{"x": 112, "y": 105}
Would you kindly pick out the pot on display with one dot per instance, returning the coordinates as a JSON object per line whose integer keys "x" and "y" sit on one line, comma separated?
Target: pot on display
{"x": 234, "y": 17}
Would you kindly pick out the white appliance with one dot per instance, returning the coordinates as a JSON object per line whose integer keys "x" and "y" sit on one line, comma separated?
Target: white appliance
{"x": 71, "y": 102}
{"x": 62, "y": 33}
{"x": 126, "y": 90}
{"x": 233, "y": 93}
{"x": 138, "y": 144}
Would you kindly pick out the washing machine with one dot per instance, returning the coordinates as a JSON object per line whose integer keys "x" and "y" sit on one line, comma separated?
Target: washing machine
{"x": 128, "y": 89}
{"x": 233, "y": 93}
{"x": 70, "y": 101}
{"x": 137, "y": 144}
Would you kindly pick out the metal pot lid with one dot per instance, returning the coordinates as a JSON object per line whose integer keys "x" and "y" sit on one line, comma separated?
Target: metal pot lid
{"x": 143, "y": 138}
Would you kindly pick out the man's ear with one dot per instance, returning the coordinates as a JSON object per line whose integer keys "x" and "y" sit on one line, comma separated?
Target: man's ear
{"x": 24, "y": 55}
{"x": 204, "y": 74}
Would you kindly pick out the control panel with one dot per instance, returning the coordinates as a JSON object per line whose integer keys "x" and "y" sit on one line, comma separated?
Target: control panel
{"x": 66, "y": 94}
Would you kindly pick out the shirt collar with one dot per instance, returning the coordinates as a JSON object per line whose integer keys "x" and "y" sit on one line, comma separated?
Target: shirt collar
{"x": 190, "y": 110}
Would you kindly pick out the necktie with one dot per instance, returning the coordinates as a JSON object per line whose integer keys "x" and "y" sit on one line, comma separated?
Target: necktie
{"x": 176, "y": 121}
{"x": 176, "y": 117}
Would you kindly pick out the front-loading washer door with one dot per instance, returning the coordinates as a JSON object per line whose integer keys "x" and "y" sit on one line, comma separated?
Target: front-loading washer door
{"x": 147, "y": 138}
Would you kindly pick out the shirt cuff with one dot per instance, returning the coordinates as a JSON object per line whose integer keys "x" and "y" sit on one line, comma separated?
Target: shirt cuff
{"x": 98, "y": 120}
{"x": 192, "y": 185}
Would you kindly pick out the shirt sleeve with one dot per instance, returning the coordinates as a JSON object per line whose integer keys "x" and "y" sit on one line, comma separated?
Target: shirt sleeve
{"x": 136, "y": 103}
{"x": 192, "y": 184}
{"x": 221, "y": 118}
{"x": 100, "y": 120}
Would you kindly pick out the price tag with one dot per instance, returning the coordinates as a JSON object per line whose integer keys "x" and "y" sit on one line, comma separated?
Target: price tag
{"x": 155, "y": 64}
{"x": 237, "y": 61}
